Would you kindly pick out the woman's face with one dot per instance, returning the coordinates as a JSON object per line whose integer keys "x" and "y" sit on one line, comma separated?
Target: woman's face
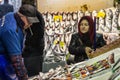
{"x": 84, "y": 26}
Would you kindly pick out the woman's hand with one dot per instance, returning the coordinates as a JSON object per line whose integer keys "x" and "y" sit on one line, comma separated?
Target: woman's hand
{"x": 88, "y": 50}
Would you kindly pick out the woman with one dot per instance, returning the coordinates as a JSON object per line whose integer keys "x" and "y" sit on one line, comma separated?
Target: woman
{"x": 83, "y": 42}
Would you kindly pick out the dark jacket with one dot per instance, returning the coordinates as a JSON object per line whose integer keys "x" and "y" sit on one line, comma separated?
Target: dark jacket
{"x": 5, "y": 8}
{"x": 77, "y": 46}
{"x": 34, "y": 44}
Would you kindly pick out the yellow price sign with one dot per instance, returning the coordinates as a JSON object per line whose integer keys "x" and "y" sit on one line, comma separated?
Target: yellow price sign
{"x": 101, "y": 14}
{"x": 62, "y": 44}
{"x": 57, "y": 17}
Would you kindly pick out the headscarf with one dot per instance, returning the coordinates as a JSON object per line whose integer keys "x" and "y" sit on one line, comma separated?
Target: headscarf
{"x": 91, "y": 27}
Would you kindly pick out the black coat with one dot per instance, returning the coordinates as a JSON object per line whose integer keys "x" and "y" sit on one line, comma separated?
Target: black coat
{"x": 34, "y": 44}
{"x": 77, "y": 46}
{"x": 5, "y": 8}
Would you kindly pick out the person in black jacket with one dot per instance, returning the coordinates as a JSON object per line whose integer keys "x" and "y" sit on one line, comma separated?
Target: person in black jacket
{"x": 34, "y": 46}
{"x": 5, "y": 8}
{"x": 85, "y": 41}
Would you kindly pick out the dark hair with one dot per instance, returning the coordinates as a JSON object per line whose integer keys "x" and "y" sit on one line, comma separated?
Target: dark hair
{"x": 91, "y": 29}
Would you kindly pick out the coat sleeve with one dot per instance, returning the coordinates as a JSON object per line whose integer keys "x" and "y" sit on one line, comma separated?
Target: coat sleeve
{"x": 74, "y": 47}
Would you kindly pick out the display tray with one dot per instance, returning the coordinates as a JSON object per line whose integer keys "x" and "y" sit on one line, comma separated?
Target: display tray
{"x": 100, "y": 74}
{"x": 89, "y": 71}
{"x": 91, "y": 77}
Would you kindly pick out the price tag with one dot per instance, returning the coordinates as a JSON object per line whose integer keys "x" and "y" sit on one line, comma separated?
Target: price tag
{"x": 101, "y": 14}
{"x": 62, "y": 44}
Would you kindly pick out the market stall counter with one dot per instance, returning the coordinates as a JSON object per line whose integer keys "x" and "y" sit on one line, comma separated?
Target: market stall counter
{"x": 98, "y": 68}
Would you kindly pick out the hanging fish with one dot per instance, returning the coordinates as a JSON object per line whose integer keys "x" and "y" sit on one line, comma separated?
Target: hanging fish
{"x": 108, "y": 20}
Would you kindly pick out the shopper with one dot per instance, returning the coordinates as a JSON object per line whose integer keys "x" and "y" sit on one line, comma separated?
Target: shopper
{"x": 12, "y": 27}
{"x": 34, "y": 46}
{"x": 5, "y": 8}
{"x": 83, "y": 42}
